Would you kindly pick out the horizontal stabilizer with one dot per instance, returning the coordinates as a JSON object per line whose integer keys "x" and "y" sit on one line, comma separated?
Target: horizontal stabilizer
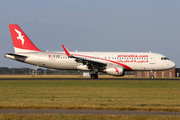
{"x": 17, "y": 57}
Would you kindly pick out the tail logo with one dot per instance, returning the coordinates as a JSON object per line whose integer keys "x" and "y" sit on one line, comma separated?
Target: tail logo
{"x": 20, "y": 37}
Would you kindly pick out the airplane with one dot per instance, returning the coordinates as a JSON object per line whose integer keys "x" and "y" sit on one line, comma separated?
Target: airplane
{"x": 111, "y": 63}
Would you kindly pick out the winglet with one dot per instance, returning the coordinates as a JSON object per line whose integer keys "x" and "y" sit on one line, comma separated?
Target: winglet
{"x": 66, "y": 51}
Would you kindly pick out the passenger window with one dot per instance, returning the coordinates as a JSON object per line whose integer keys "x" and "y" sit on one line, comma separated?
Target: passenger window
{"x": 57, "y": 56}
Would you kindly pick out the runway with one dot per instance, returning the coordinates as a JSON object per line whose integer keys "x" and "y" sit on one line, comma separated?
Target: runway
{"x": 176, "y": 79}
{"x": 91, "y": 112}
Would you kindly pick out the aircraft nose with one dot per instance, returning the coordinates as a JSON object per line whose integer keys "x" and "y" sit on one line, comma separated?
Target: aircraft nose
{"x": 172, "y": 64}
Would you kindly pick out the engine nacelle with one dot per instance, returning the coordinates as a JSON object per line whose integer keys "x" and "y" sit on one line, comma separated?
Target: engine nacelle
{"x": 82, "y": 67}
{"x": 118, "y": 71}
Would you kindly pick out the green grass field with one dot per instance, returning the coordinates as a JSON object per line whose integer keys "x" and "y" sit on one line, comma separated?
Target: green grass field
{"x": 83, "y": 117}
{"x": 95, "y": 94}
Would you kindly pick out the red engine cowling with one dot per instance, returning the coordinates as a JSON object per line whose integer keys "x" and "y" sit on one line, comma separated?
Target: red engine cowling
{"x": 119, "y": 71}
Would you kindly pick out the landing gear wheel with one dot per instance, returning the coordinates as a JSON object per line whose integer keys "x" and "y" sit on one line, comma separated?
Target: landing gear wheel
{"x": 94, "y": 76}
{"x": 152, "y": 77}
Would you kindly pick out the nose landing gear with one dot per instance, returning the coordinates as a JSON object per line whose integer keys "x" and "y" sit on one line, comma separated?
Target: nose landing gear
{"x": 152, "y": 75}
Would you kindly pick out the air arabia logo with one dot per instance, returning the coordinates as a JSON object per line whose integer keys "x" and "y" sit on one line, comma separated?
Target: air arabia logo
{"x": 20, "y": 37}
{"x": 116, "y": 70}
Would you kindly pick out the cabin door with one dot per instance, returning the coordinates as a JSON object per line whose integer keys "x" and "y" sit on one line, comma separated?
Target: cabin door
{"x": 152, "y": 58}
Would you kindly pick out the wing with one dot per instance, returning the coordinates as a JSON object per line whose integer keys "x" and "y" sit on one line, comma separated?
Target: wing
{"x": 92, "y": 64}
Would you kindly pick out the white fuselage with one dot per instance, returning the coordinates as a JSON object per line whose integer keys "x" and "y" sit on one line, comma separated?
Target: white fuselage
{"x": 129, "y": 60}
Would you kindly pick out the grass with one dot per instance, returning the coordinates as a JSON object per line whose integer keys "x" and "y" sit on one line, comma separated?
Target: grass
{"x": 97, "y": 95}
{"x": 83, "y": 117}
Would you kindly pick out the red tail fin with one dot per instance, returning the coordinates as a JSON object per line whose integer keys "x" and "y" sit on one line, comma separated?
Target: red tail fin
{"x": 20, "y": 41}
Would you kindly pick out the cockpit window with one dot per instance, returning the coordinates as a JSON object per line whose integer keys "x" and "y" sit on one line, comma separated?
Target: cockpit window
{"x": 164, "y": 58}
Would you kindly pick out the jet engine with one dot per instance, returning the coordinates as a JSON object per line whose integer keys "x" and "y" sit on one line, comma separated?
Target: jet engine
{"x": 117, "y": 71}
{"x": 82, "y": 67}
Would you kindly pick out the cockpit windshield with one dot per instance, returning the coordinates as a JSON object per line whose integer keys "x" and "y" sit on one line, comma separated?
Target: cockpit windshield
{"x": 164, "y": 58}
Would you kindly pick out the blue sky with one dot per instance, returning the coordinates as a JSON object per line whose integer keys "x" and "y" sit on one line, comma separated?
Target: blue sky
{"x": 93, "y": 25}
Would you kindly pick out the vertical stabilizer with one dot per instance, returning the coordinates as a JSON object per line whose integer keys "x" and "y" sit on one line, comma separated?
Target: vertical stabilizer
{"x": 20, "y": 41}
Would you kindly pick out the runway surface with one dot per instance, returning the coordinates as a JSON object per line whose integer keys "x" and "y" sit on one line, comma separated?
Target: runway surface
{"x": 91, "y": 112}
{"x": 89, "y": 79}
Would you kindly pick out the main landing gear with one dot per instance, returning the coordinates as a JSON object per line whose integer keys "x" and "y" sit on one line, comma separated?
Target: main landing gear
{"x": 94, "y": 76}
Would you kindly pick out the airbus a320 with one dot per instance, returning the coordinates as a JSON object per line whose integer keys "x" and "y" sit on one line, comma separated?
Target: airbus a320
{"x": 112, "y": 63}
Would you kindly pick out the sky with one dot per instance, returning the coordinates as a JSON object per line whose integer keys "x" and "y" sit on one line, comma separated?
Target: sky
{"x": 93, "y": 25}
